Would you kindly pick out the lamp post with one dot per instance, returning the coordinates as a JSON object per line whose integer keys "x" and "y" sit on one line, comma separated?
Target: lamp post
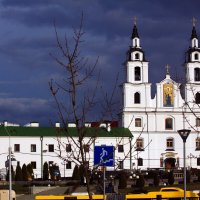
{"x": 41, "y": 139}
{"x": 64, "y": 165}
{"x": 184, "y": 133}
{"x": 9, "y": 164}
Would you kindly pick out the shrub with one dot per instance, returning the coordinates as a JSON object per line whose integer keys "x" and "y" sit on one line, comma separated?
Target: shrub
{"x": 188, "y": 176}
{"x": 198, "y": 175}
{"x": 30, "y": 172}
{"x": 122, "y": 180}
{"x": 12, "y": 174}
{"x": 54, "y": 172}
{"x": 24, "y": 173}
{"x": 76, "y": 173}
{"x": 171, "y": 178}
{"x": 156, "y": 179}
{"x": 18, "y": 175}
{"x": 45, "y": 171}
{"x": 140, "y": 182}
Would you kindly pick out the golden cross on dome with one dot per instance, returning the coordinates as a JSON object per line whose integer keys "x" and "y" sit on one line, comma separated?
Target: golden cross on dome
{"x": 134, "y": 20}
{"x": 167, "y": 69}
{"x": 194, "y": 20}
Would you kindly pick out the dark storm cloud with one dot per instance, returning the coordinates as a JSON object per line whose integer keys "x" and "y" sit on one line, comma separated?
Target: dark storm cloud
{"x": 25, "y": 110}
{"x": 28, "y": 37}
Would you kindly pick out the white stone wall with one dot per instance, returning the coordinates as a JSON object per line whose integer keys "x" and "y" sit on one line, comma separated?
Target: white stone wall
{"x": 26, "y": 156}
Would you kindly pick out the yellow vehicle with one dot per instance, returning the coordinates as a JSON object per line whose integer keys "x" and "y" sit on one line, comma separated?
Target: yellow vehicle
{"x": 69, "y": 197}
{"x": 167, "y": 193}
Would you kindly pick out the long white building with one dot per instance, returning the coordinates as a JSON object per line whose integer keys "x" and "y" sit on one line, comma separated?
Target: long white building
{"x": 37, "y": 145}
{"x": 154, "y": 121}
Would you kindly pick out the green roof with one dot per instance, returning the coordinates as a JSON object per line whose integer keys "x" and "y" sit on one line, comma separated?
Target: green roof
{"x": 70, "y": 132}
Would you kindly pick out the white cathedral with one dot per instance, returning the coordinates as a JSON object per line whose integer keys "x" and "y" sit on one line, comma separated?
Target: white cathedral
{"x": 154, "y": 122}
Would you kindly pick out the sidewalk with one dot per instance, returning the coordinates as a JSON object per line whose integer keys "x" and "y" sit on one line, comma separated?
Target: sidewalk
{"x": 55, "y": 191}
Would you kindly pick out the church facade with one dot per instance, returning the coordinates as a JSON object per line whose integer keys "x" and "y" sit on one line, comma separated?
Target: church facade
{"x": 154, "y": 122}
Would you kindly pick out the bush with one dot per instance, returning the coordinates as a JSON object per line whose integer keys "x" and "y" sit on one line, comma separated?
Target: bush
{"x": 12, "y": 174}
{"x": 82, "y": 174}
{"x": 45, "y": 171}
{"x": 171, "y": 178}
{"x": 122, "y": 180}
{"x": 18, "y": 175}
{"x": 140, "y": 182}
{"x": 76, "y": 173}
{"x": 30, "y": 172}
{"x": 24, "y": 173}
{"x": 198, "y": 175}
{"x": 188, "y": 176}
{"x": 156, "y": 179}
{"x": 54, "y": 172}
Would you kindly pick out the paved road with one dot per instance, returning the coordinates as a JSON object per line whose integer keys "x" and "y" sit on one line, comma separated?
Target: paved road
{"x": 55, "y": 191}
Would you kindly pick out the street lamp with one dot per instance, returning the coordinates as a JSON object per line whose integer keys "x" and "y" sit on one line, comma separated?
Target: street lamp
{"x": 64, "y": 164}
{"x": 9, "y": 164}
{"x": 184, "y": 133}
{"x": 41, "y": 140}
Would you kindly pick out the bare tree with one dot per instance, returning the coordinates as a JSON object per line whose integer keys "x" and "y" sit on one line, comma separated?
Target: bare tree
{"x": 76, "y": 97}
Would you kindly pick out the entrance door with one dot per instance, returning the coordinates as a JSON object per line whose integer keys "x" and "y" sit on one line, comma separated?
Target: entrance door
{"x": 170, "y": 163}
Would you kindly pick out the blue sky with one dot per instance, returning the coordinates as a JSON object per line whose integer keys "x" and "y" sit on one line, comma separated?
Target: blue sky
{"x": 27, "y": 38}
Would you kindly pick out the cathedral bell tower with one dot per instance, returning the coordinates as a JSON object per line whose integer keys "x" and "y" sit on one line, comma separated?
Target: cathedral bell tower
{"x": 137, "y": 67}
{"x": 136, "y": 89}
{"x": 193, "y": 59}
{"x": 193, "y": 68}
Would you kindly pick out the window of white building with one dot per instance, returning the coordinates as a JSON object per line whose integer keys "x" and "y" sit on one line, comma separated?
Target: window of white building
{"x": 16, "y": 147}
{"x": 68, "y": 148}
{"x": 197, "y": 73}
{"x": 33, "y": 147}
{"x": 197, "y": 98}
{"x": 140, "y": 161}
{"x": 198, "y": 161}
{"x": 170, "y": 144}
{"x": 33, "y": 164}
{"x": 137, "y": 56}
{"x": 137, "y": 98}
{"x": 137, "y": 73}
{"x": 139, "y": 144}
{"x": 68, "y": 165}
{"x": 120, "y": 148}
{"x": 86, "y": 148}
{"x": 196, "y": 56}
{"x": 138, "y": 122}
{"x": 197, "y": 143}
{"x": 197, "y": 122}
{"x": 51, "y": 148}
{"x": 121, "y": 164}
{"x": 168, "y": 123}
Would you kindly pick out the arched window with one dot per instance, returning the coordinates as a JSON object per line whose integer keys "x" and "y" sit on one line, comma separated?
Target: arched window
{"x": 170, "y": 144}
{"x": 138, "y": 122}
{"x": 136, "y": 42}
{"x": 168, "y": 124}
{"x": 196, "y": 56}
{"x": 197, "y": 74}
{"x": 137, "y": 74}
{"x": 197, "y": 121}
{"x": 139, "y": 144}
{"x": 197, "y": 143}
{"x": 137, "y": 98}
{"x": 137, "y": 56}
{"x": 140, "y": 161}
{"x": 197, "y": 98}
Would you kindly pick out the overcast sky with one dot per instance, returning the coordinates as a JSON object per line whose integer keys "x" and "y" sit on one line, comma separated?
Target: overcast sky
{"x": 27, "y": 38}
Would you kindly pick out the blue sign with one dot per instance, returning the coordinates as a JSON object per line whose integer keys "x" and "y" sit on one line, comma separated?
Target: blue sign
{"x": 104, "y": 156}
